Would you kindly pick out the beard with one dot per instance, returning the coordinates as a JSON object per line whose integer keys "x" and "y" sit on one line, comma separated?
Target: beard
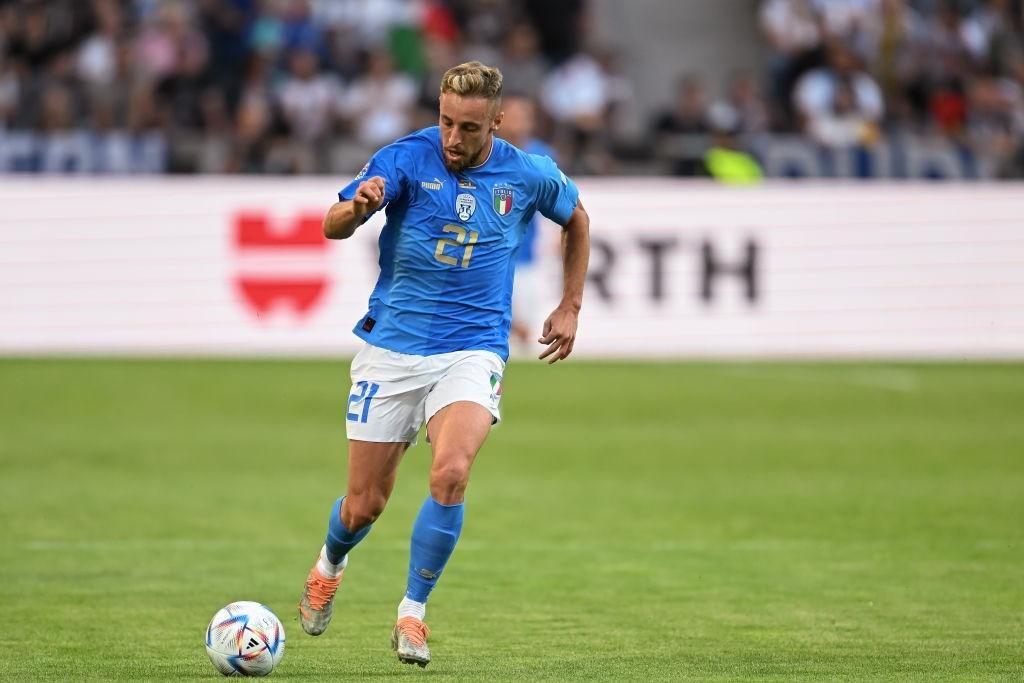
{"x": 462, "y": 162}
{"x": 456, "y": 166}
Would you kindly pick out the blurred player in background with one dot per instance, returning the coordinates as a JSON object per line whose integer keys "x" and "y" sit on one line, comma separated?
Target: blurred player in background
{"x": 458, "y": 202}
{"x": 517, "y": 128}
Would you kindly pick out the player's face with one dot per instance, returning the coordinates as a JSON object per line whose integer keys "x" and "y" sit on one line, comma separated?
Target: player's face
{"x": 467, "y": 124}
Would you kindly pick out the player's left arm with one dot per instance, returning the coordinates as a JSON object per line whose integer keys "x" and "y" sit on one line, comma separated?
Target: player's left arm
{"x": 560, "y": 328}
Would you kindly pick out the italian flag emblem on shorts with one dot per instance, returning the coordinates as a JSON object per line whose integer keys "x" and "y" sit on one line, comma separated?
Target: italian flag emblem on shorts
{"x": 502, "y": 200}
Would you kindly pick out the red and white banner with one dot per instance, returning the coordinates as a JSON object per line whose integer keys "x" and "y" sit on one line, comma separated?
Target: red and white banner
{"x": 238, "y": 266}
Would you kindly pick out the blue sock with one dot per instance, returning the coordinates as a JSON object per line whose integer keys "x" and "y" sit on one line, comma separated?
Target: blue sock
{"x": 339, "y": 539}
{"x": 434, "y": 536}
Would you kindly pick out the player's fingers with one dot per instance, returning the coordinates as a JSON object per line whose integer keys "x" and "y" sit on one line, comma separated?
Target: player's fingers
{"x": 566, "y": 349}
{"x": 360, "y": 199}
{"x": 372, "y": 192}
{"x": 550, "y": 349}
{"x": 545, "y": 336}
{"x": 563, "y": 353}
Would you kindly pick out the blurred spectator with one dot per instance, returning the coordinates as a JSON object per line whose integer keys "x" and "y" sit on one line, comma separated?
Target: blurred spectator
{"x": 621, "y": 98}
{"x": 253, "y": 122}
{"x": 674, "y": 127}
{"x": 993, "y": 122}
{"x": 179, "y": 92}
{"x": 226, "y": 25}
{"x": 839, "y": 104}
{"x": 166, "y": 41}
{"x": 990, "y": 37}
{"x": 299, "y": 32}
{"x": 794, "y": 32}
{"x": 688, "y": 113}
{"x": 310, "y": 99}
{"x": 744, "y": 101}
{"x": 725, "y": 160}
{"x": 97, "y": 59}
{"x": 520, "y": 62}
{"x": 847, "y": 20}
{"x": 368, "y": 23}
{"x": 380, "y": 104}
{"x": 576, "y": 95}
{"x": 10, "y": 92}
{"x": 57, "y": 110}
{"x": 558, "y": 24}
{"x": 895, "y": 47}
{"x": 485, "y": 23}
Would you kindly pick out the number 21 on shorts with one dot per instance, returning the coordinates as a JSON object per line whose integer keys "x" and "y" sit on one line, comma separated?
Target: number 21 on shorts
{"x": 365, "y": 391}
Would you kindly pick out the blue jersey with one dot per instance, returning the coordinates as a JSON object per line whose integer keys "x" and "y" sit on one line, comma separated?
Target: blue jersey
{"x": 527, "y": 252}
{"x": 448, "y": 248}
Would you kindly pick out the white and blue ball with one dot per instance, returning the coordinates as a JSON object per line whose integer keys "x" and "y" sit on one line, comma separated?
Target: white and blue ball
{"x": 245, "y": 639}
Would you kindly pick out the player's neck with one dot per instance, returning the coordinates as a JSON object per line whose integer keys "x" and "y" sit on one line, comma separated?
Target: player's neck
{"x": 484, "y": 155}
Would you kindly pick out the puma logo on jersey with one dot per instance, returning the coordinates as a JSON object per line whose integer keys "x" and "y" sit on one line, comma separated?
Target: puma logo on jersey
{"x": 435, "y": 184}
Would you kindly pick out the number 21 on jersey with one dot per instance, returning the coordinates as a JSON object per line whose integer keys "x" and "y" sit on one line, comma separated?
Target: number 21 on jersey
{"x": 463, "y": 238}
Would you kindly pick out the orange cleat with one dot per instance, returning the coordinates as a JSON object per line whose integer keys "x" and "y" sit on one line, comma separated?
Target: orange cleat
{"x": 317, "y": 603}
{"x": 409, "y": 641}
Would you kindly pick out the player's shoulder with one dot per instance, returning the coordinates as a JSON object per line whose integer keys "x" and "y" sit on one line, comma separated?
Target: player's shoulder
{"x": 425, "y": 140}
{"x": 535, "y": 167}
{"x": 540, "y": 148}
{"x": 405, "y": 154}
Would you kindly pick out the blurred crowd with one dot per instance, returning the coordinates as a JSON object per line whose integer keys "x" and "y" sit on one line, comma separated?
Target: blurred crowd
{"x": 845, "y": 73}
{"x": 291, "y": 86}
{"x": 286, "y": 86}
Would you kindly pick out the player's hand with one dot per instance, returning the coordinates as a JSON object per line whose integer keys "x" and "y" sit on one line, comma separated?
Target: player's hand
{"x": 369, "y": 196}
{"x": 559, "y": 334}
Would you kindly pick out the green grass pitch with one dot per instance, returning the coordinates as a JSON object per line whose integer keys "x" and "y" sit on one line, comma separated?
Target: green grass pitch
{"x": 705, "y": 521}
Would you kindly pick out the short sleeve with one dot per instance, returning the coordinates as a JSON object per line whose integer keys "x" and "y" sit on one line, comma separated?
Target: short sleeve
{"x": 557, "y": 196}
{"x": 391, "y": 164}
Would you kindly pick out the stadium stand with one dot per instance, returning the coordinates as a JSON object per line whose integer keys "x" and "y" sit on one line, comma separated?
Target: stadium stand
{"x": 847, "y": 88}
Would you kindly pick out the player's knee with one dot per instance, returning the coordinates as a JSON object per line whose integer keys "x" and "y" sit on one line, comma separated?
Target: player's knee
{"x": 362, "y": 511}
{"x": 448, "y": 481}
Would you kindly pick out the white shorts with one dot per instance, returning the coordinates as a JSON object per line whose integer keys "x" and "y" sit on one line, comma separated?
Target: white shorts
{"x": 394, "y": 394}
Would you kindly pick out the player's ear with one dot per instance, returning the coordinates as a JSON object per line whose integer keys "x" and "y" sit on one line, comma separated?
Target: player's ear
{"x": 498, "y": 118}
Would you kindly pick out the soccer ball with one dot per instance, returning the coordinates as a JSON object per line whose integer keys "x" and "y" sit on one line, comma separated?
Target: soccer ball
{"x": 245, "y": 639}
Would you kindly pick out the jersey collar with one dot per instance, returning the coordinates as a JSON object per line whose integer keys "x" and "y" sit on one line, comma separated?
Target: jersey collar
{"x": 490, "y": 153}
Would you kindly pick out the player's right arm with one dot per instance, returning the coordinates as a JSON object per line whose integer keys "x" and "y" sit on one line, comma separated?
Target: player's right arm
{"x": 344, "y": 217}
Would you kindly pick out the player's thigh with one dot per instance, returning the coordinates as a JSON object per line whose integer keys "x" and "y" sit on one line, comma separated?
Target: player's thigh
{"x": 461, "y": 408}
{"x": 386, "y": 403}
{"x": 457, "y": 432}
{"x": 373, "y": 467}
{"x": 472, "y": 376}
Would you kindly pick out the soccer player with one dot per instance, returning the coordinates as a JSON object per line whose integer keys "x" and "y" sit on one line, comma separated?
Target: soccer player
{"x": 518, "y": 118}
{"x": 458, "y": 202}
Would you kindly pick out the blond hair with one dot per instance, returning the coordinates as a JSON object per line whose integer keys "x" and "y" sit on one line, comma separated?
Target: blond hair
{"x": 472, "y": 79}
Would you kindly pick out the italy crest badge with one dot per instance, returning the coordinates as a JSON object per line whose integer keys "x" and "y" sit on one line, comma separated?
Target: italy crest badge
{"x": 502, "y": 200}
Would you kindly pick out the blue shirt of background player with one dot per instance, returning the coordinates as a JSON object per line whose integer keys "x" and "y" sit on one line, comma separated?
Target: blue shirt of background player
{"x": 449, "y": 245}
{"x": 528, "y": 249}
